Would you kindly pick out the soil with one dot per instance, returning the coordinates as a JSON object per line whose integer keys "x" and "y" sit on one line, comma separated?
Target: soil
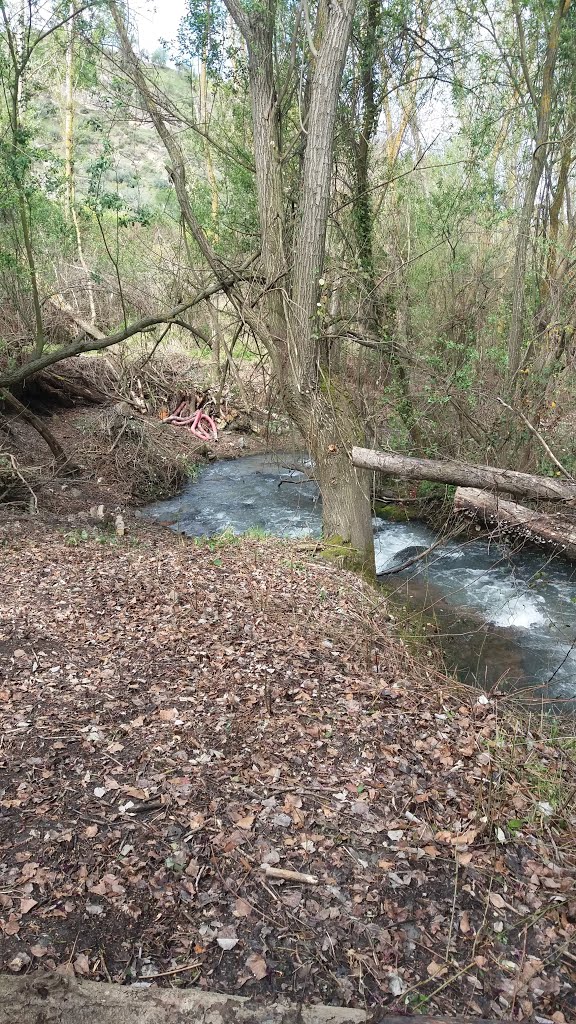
{"x": 176, "y": 716}
{"x": 180, "y": 718}
{"x": 113, "y": 478}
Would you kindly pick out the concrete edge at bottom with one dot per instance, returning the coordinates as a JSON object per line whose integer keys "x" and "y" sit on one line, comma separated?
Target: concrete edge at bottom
{"x": 42, "y": 998}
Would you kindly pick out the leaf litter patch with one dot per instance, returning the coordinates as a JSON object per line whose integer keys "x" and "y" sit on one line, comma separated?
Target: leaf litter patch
{"x": 221, "y": 767}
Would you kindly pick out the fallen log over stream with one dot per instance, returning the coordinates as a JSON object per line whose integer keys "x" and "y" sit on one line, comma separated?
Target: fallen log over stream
{"x": 465, "y": 474}
{"x": 553, "y": 530}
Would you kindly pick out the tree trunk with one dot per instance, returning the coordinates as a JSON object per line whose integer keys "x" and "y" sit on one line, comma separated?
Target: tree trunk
{"x": 69, "y": 152}
{"x": 510, "y": 518}
{"x": 375, "y": 313}
{"x": 346, "y": 507}
{"x": 312, "y": 397}
{"x": 203, "y": 119}
{"x": 465, "y": 474}
{"x": 287, "y": 322}
{"x": 330, "y": 426}
{"x": 516, "y": 334}
{"x": 310, "y": 235}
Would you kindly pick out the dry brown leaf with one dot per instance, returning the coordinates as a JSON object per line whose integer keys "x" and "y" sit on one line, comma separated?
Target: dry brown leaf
{"x": 464, "y": 922}
{"x": 444, "y": 837}
{"x": 167, "y": 714}
{"x": 26, "y": 905}
{"x": 91, "y": 831}
{"x": 242, "y": 908}
{"x": 38, "y": 950}
{"x": 464, "y": 859}
{"x": 82, "y": 964}
{"x": 497, "y": 901}
{"x": 465, "y": 838}
{"x": 436, "y": 970}
{"x": 257, "y": 965}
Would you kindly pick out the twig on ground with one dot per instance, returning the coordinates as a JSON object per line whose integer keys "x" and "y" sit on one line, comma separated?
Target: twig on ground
{"x": 23, "y": 480}
{"x": 175, "y": 970}
{"x": 288, "y": 876}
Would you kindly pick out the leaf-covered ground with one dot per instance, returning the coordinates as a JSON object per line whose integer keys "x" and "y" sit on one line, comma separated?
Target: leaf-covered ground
{"x": 178, "y": 719}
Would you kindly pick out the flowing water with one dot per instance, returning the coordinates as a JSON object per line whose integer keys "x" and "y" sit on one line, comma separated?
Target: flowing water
{"x": 498, "y": 615}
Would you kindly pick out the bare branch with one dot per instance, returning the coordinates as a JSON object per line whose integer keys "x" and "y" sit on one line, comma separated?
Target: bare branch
{"x": 83, "y": 344}
{"x": 532, "y": 428}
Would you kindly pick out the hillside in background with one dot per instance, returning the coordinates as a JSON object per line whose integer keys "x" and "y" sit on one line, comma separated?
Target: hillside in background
{"x": 117, "y": 150}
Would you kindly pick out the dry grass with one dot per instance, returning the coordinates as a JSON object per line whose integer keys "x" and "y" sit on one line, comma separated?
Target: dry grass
{"x": 16, "y": 483}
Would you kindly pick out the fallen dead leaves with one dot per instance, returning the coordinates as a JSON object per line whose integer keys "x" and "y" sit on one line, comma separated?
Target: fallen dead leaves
{"x": 252, "y": 786}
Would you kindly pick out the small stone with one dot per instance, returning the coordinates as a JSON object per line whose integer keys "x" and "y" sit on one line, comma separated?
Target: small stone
{"x": 20, "y": 961}
{"x": 227, "y": 937}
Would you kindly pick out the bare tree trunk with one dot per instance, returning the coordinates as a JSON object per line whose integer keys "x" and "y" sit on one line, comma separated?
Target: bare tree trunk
{"x": 17, "y": 44}
{"x": 69, "y": 153}
{"x": 289, "y": 328}
{"x": 516, "y": 334}
{"x": 310, "y": 239}
{"x": 313, "y": 398}
{"x": 346, "y": 490}
{"x": 555, "y": 208}
{"x": 374, "y": 303}
{"x": 203, "y": 118}
{"x": 177, "y": 169}
{"x": 215, "y": 335}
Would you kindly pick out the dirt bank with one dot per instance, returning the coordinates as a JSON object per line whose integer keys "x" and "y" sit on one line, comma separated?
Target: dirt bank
{"x": 180, "y": 721}
{"x": 106, "y": 418}
{"x": 119, "y": 459}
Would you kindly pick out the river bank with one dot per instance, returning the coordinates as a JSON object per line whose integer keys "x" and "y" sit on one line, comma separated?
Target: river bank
{"x": 176, "y": 714}
{"x": 182, "y": 718}
{"x": 502, "y": 618}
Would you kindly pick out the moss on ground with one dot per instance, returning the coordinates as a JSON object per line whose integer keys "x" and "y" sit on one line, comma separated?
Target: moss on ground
{"x": 395, "y": 512}
{"x": 342, "y": 553}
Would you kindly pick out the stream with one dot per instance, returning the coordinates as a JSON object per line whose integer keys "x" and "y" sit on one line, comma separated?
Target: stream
{"x": 500, "y": 617}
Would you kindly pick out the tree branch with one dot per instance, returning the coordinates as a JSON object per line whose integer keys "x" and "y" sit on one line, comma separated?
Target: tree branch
{"x": 82, "y": 344}
{"x": 532, "y": 428}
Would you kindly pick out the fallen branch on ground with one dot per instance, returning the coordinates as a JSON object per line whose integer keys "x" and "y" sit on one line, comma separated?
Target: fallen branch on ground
{"x": 288, "y": 876}
{"x": 67, "y": 1000}
{"x": 4, "y": 455}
